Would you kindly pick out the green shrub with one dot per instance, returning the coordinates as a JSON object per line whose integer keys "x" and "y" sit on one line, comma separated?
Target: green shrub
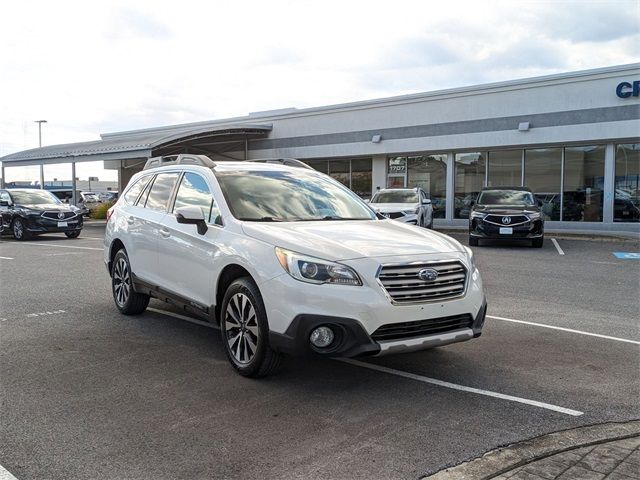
{"x": 100, "y": 212}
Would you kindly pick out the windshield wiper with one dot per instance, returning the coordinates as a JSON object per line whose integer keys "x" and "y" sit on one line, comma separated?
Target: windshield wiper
{"x": 261, "y": 219}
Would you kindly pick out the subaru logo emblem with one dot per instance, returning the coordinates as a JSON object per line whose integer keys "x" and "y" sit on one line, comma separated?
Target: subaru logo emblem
{"x": 428, "y": 274}
{"x": 506, "y": 220}
{"x": 60, "y": 215}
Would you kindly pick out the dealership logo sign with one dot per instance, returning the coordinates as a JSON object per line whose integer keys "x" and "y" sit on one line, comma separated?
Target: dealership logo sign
{"x": 627, "y": 89}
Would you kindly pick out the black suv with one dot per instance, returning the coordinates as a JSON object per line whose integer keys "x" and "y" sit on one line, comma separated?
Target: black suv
{"x": 506, "y": 213}
{"x": 28, "y": 211}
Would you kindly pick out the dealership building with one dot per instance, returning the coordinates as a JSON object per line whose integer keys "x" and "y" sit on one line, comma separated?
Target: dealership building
{"x": 573, "y": 138}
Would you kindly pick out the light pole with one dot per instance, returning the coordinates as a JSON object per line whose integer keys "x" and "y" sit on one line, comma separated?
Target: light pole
{"x": 40, "y": 122}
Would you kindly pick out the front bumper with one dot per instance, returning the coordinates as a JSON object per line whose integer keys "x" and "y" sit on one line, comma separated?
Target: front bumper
{"x": 526, "y": 231}
{"x": 39, "y": 224}
{"x": 352, "y": 340}
{"x": 295, "y": 308}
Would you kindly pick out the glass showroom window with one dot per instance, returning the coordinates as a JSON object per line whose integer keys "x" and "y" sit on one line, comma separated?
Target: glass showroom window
{"x": 361, "y": 179}
{"x": 470, "y": 172}
{"x": 542, "y": 174}
{"x": 319, "y": 165}
{"x": 340, "y": 171}
{"x": 429, "y": 172}
{"x": 626, "y": 206}
{"x": 397, "y": 172}
{"x": 583, "y": 184}
{"x": 352, "y": 173}
{"x": 505, "y": 168}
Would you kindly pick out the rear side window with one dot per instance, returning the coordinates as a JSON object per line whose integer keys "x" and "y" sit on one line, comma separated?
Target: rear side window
{"x": 160, "y": 192}
{"x": 136, "y": 188}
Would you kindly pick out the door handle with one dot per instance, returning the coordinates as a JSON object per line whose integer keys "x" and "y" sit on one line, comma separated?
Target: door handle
{"x": 130, "y": 220}
{"x": 165, "y": 233}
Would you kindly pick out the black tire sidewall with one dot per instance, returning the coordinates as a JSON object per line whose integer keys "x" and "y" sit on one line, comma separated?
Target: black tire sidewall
{"x": 247, "y": 287}
{"x": 121, "y": 254}
{"x": 72, "y": 234}
{"x": 24, "y": 229}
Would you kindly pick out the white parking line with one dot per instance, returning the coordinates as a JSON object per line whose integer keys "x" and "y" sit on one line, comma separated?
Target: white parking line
{"x": 5, "y": 474}
{"x": 6, "y": 258}
{"x": 51, "y": 245}
{"x": 455, "y": 386}
{"x": 570, "y": 330}
{"x": 184, "y": 317}
{"x": 555, "y": 242}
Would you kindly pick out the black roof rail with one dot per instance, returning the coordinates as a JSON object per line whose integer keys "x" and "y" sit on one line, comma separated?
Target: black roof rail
{"x": 290, "y": 162}
{"x": 182, "y": 159}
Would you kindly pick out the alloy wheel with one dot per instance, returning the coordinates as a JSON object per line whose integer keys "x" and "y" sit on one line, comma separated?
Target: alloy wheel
{"x": 241, "y": 328}
{"x": 121, "y": 282}
{"x": 18, "y": 229}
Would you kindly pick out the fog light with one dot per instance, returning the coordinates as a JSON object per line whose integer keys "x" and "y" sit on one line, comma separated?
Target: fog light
{"x": 322, "y": 337}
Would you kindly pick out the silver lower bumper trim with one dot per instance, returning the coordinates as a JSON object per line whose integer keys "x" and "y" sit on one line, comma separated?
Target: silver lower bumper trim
{"x": 421, "y": 343}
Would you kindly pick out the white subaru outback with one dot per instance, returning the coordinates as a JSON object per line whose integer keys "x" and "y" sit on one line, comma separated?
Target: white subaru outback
{"x": 287, "y": 261}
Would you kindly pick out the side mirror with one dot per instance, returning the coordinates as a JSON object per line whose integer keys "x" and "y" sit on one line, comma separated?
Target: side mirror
{"x": 426, "y": 201}
{"x": 192, "y": 216}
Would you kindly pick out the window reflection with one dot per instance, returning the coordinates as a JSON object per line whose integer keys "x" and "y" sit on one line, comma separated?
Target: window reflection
{"x": 194, "y": 192}
{"x": 505, "y": 168}
{"x": 430, "y": 173}
{"x": 542, "y": 170}
{"x": 161, "y": 191}
{"x": 469, "y": 180}
{"x": 626, "y": 206}
{"x": 280, "y": 195}
{"x": 583, "y": 184}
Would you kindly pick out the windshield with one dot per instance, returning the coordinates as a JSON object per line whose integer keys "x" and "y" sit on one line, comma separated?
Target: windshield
{"x": 287, "y": 196}
{"x": 506, "y": 197}
{"x": 395, "y": 196}
{"x": 35, "y": 197}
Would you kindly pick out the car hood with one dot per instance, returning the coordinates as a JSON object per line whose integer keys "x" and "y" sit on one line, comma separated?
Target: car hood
{"x": 45, "y": 206}
{"x": 393, "y": 207}
{"x": 505, "y": 209}
{"x": 348, "y": 240}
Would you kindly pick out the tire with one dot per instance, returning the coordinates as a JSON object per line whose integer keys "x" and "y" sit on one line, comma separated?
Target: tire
{"x": 245, "y": 330}
{"x": 127, "y": 300}
{"x": 75, "y": 234}
{"x": 19, "y": 230}
{"x": 473, "y": 241}
{"x": 537, "y": 242}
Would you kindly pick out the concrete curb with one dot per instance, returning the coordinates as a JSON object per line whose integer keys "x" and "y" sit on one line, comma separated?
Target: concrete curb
{"x": 501, "y": 460}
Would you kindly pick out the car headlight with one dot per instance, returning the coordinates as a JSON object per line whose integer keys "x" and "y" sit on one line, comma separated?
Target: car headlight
{"x": 471, "y": 257}
{"x": 534, "y": 215}
{"x": 315, "y": 270}
{"x": 478, "y": 215}
{"x": 411, "y": 212}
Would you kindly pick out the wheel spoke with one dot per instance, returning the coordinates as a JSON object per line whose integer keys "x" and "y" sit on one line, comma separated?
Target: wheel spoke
{"x": 231, "y": 315}
{"x": 251, "y": 346}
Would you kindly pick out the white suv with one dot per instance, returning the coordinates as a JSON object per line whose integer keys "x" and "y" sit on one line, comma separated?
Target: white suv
{"x": 287, "y": 261}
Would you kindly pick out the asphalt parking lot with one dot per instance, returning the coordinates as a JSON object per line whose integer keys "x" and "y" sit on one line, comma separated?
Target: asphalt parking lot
{"x": 88, "y": 393}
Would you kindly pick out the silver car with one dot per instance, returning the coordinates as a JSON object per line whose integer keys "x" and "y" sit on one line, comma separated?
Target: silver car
{"x": 408, "y": 205}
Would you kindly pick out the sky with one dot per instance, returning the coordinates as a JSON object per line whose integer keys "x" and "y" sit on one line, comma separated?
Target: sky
{"x": 91, "y": 67}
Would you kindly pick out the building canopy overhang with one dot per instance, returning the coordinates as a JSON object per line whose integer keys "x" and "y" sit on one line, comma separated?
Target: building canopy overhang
{"x": 143, "y": 144}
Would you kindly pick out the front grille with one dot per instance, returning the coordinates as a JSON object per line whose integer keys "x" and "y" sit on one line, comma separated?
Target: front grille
{"x": 404, "y": 286}
{"x": 515, "y": 219}
{"x": 421, "y": 328}
{"x": 54, "y": 215}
